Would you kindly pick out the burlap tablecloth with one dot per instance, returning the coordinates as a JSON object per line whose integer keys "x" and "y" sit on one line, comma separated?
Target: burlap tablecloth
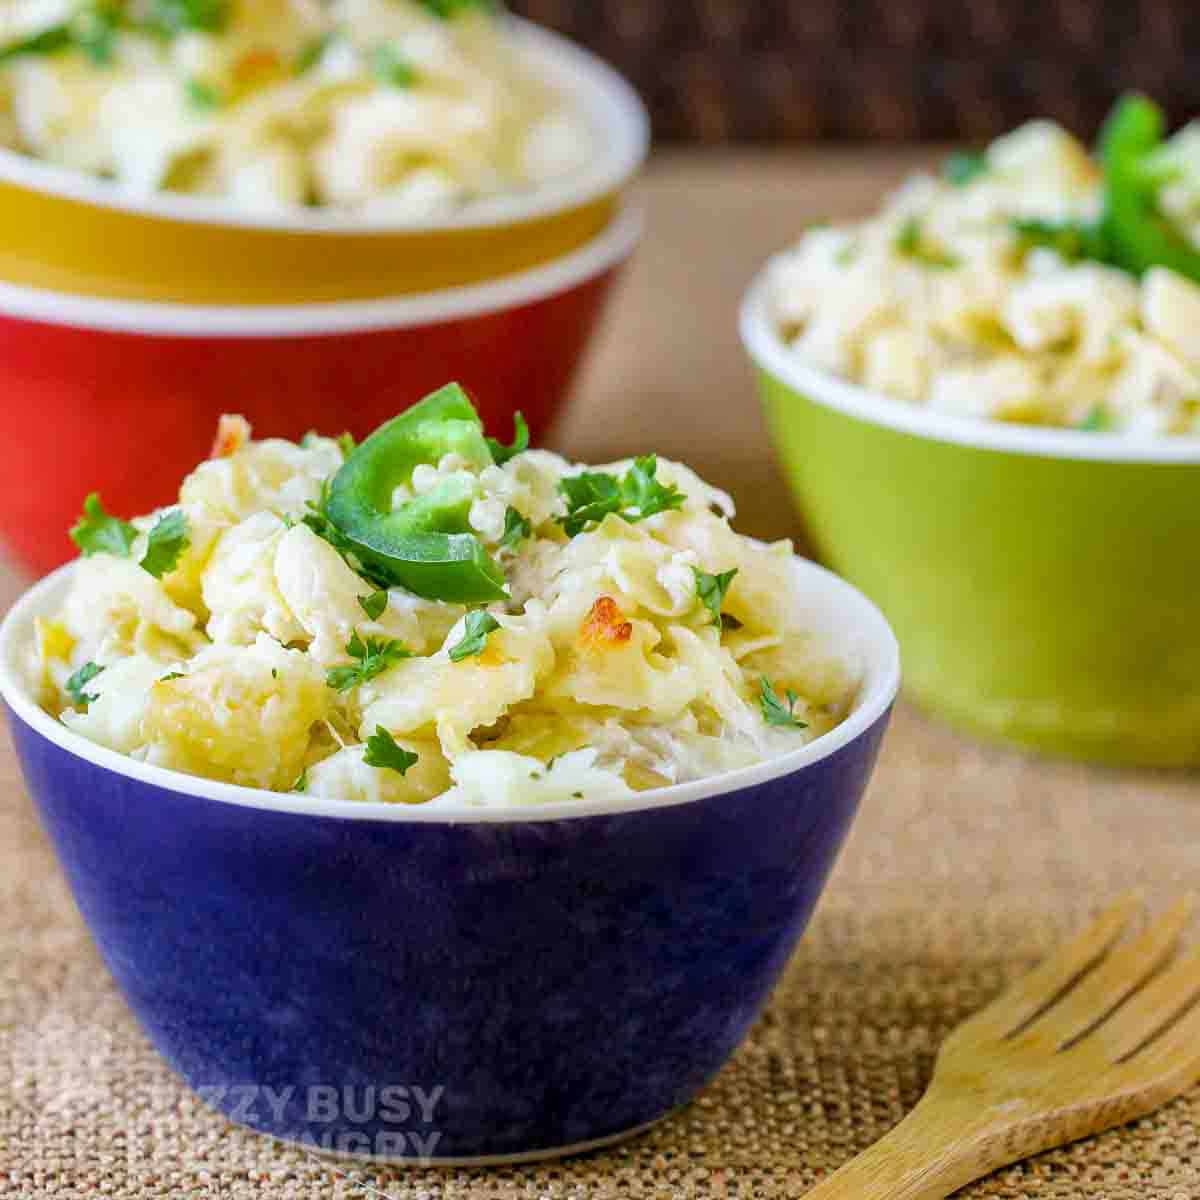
{"x": 966, "y": 865}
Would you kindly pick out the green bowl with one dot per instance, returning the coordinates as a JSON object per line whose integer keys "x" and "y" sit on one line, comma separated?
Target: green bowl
{"x": 1044, "y": 584}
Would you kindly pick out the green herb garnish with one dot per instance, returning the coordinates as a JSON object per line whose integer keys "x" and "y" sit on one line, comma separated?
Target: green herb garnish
{"x": 170, "y": 17}
{"x": 448, "y": 9}
{"x": 372, "y": 657}
{"x": 165, "y": 543}
{"x": 592, "y": 495}
{"x": 301, "y": 784}
{"x": 774, "y": 711}
{"x": 516, "y": 529}
{"x": 910, "y": 243}
{"x": 1072, "y": 241}
{"x": 388, "y": 66}
{"x": 1096, "y": 421}
{"x": 502, "y": 453}
{"x": 92, "y": 30}
{"x": 711, "y": 589}
{"x": 312, "y": 53}
{"x": 201, "y": 95}
{"x": 383, "y": 753}
{"x": 374, "y": 604}
{"x": 79, "y": 681}
{"x": 964, "y": 167}
{"x": 48, "y": 41}
{"x": 346, "y": 444}
{"x": 98, "y": 532}
{"x": 479, "y": 624}
{"x": 172, "y": 675}
{"x": 95, "y": 30}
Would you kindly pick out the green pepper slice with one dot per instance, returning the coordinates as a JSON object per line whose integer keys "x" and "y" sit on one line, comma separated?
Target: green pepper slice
{"x": 1138, "y": 236}
{"x": 425, "y": 545}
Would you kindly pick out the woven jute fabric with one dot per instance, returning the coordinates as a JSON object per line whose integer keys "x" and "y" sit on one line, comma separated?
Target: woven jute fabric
{"x": 966, "y": 865}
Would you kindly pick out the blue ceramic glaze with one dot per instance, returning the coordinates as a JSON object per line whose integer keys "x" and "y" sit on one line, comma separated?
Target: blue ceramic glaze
{"x": 562, "y": 981}
{"x": 414, "y": 983}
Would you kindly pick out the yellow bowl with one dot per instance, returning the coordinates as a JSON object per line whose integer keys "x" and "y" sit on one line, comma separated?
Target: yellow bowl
{"x": 69, "y": 232}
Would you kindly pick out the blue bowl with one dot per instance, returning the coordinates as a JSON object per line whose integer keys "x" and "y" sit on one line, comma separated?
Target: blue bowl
{"x": 485, "y": 985}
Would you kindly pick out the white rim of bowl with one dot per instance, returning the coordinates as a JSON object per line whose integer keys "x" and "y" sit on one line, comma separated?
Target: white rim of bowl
{"x": 592, "y": 259}
{"x": 881, "y": 668}
{"x": 611, "y": 107}
{"x": 769, "y": 351}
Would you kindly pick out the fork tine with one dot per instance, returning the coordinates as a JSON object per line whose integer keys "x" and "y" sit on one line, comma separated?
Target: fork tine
{"x": 1026, "y": 998}
{"x": 1152, "y": 1009}
{"x": 1177, "y": 1051}
{"x": 1117, "y": 978}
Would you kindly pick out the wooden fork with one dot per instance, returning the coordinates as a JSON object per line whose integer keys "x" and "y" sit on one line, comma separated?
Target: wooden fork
{"x": 1093, "y": 1038}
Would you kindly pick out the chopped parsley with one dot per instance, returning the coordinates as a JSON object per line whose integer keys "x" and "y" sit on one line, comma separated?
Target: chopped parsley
{"x": 314, "y": 51}
{"x": 383, "y": 753}
{"x": 301, "y": 784}
{"x": 165, "y": 543}
{"x": 516, "y": 529}
{"x": 97, "y": 532}
{"x": 446, "y": 9}
{"x": 171, "y": 17}
{"x": 846, "y": 255}
{"x": 910, "y": 243}
{"x": 172, "y": 675}
{"x": 711, "y": 589}
{"x": 1072, "y": 241}
{"x": 388, "y": 66}
{"x": 592, "y": 495}
{"x": 201, "y": 95}
{"x": 502, "y": 453}
{"x": 374, "y": 604}
{"x": 95, "y": 32}
{"x": 48, "y": 41}
{"x": 372, "y": 658}
{"x": 964, "y": 167}
{"x": 1096, "y": 421}
{"x": 79, "y": 681}
{"x": 774, "y": 711}
{"x": 479, "y": 625}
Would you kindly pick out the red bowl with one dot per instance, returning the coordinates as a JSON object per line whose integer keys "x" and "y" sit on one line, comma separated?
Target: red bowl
{"x": 123, "y": 398}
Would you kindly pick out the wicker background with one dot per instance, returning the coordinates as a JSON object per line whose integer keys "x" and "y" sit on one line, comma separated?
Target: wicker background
{"x": 787, "y": 70}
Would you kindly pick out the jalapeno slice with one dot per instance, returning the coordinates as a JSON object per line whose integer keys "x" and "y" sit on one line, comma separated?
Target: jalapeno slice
{"x": 425, "y": 544}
